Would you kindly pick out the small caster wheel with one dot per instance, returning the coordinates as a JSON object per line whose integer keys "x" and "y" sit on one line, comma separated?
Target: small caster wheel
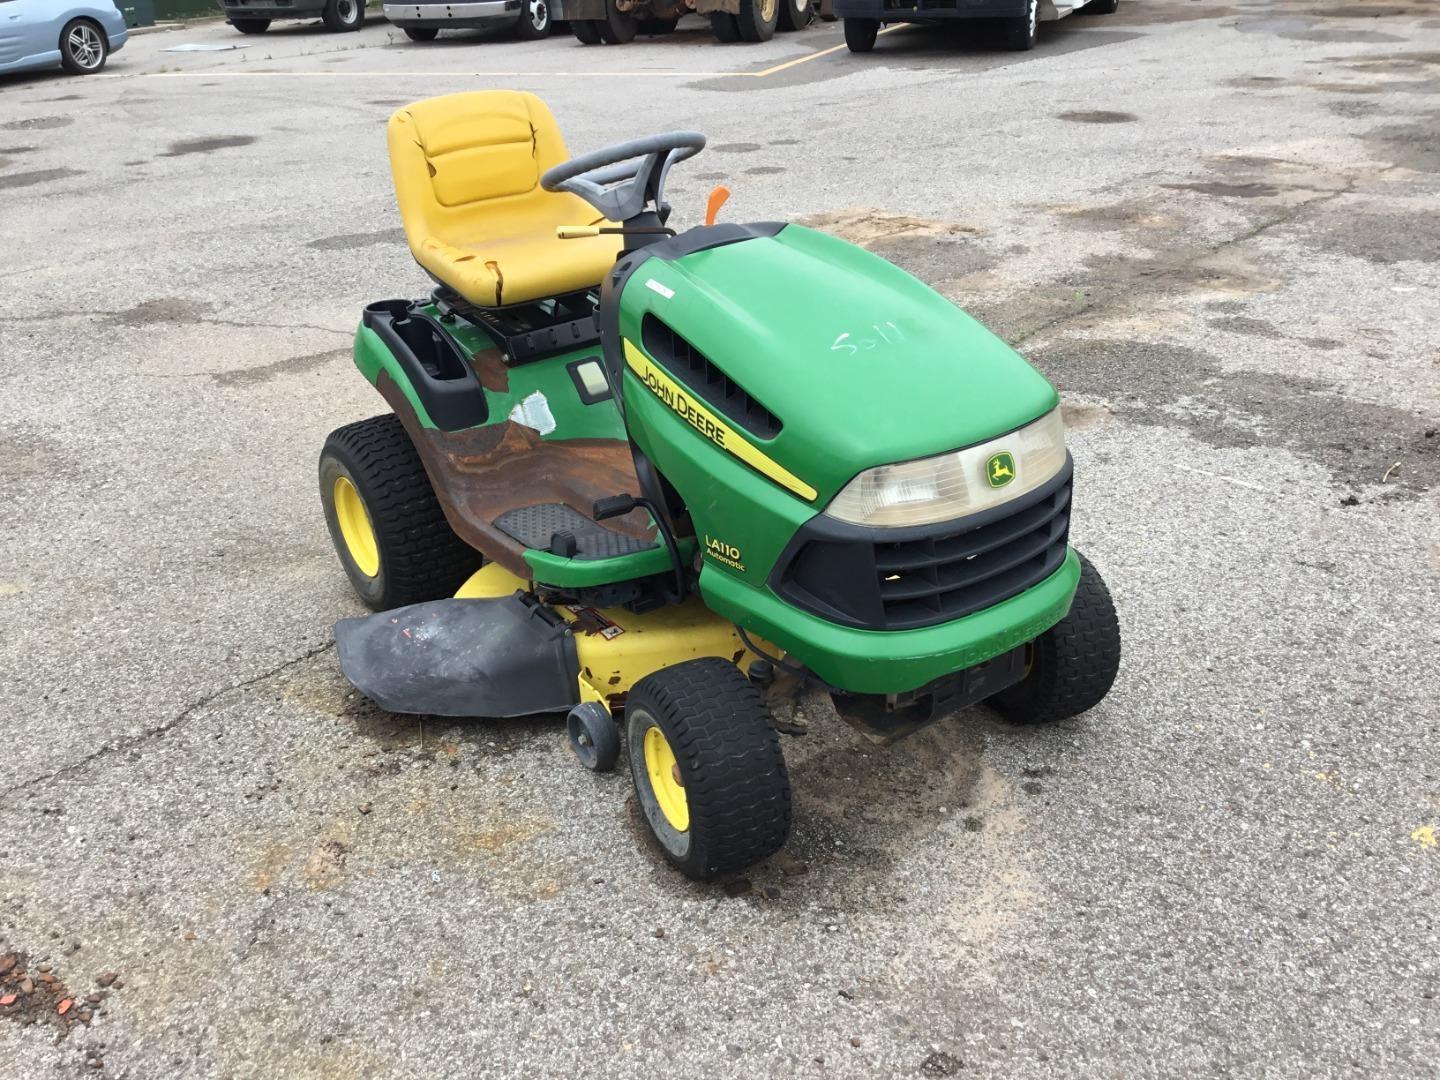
{"x": 593, "y": 736}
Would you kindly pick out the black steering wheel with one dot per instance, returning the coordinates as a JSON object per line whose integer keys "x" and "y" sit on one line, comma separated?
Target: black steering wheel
{"x": 620, "y": 180}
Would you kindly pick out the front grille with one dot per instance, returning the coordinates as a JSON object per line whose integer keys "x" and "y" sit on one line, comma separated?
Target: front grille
{"x": 903, "y": 579}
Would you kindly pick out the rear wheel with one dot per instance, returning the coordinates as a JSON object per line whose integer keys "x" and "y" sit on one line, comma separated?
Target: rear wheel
{"x": 586, "y": 31}
{"x": 724, "y": 27}
{"x": 795, "y": 14}
{"x": 83, "y": 48}
{"x": 757, "y": 19}
{"x": 1020, "y": 32}
{"x": 343, "y": 15}
{"x": 1073, "y": 664}
{"x": 860, "y": 34}
{"x": 386, "y": 524}
{"x": 534, "y": 21}
{"x": 708, "y": 772}
{"x": 618, "y": 27}
{"x": 420, "y": 33}
{"x": 251, "y": 26}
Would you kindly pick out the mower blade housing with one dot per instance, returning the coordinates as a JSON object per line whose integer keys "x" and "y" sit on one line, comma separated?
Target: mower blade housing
{"x": 493, "y": 657}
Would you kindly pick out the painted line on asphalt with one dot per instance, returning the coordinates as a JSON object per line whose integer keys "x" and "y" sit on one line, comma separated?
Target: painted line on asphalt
{"x": 806, "y": 59}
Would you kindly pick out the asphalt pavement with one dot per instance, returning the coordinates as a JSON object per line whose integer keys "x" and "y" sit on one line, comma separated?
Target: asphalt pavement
{"x": 1214, "y": 226}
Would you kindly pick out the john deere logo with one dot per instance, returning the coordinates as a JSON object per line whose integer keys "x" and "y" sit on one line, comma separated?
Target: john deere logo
{"x": 1000, "y": 469}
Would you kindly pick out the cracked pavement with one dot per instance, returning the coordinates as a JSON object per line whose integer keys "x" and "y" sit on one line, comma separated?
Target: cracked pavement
{"x": 1214, "y": 226}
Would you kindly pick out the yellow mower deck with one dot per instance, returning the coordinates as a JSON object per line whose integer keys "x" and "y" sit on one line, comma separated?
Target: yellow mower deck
{"x": 617, "y": 648}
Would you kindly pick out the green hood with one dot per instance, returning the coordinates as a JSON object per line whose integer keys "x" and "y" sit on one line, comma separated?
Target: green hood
{"x": 863, "y": 364}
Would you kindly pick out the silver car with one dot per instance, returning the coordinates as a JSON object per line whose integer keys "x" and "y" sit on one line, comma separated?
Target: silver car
{"x": 79, "y": 35}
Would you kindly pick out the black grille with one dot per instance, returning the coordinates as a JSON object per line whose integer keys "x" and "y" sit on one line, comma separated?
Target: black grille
{"x": 902, "y": 579}
{"x": 707, "y": 381}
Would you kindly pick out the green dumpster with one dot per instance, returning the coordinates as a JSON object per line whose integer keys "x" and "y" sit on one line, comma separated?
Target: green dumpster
{"x": 137, "y": 12}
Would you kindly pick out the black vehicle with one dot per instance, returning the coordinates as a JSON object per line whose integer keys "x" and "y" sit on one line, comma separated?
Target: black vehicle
{"x": 255, "y": 16}
{"x": 1020, "y": 19}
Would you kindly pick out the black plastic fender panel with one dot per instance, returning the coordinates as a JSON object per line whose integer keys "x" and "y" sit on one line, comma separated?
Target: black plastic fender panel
{"x": 483, "y": 658}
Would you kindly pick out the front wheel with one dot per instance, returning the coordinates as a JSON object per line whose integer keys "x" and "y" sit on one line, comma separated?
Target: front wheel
{"x": 83, "y": 48}
{"x": 534, "y": 21}
{"x": 707, "y": 767}
{"x": 1071, "y": 666}
{"x": 860, "y": 34}
{"x": 342, "y": 16}
{"x": 421, "y": 33}
{"x": 1021, "y": 32}
{"x": 251, "y": 26}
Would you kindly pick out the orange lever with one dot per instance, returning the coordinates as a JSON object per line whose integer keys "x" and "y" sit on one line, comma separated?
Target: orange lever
{"x": 718, "y": 195}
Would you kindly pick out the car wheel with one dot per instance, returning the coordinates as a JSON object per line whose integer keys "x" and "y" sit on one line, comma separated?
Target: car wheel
{"x": 534, "y": 21}
{"x": 1020, "y": 33}
{"x": 586, "y": 31}
{"x": 795, "y": 14}
{"x": 420, "y": 33}
{"x": 251, "y": 26}
{"x": 1100, "y": 7}
{"x": 860, "y": 34}
{"x": 83, "y": 48}
{"x": 343, "y": 15}
{"x": 757, "y": 19}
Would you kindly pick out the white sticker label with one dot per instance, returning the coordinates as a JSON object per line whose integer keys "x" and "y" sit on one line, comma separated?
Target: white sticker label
{"x": 655, "y": 286}
{"x": 534, "y": 412}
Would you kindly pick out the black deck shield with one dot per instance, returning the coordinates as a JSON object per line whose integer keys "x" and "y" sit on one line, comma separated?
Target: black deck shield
{"x": 492, "y": 658}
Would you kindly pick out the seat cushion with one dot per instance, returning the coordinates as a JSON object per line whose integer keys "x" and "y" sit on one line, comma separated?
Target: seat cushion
{"x": 467, "y": 176}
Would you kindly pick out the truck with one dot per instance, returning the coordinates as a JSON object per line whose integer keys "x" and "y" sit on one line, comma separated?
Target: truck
{"x": 1019, "y": 20}
{"x": 616, "y": 22}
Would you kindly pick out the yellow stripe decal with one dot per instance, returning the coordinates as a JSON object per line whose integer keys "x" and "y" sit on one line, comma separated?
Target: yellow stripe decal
{"x": 708, "y": 424}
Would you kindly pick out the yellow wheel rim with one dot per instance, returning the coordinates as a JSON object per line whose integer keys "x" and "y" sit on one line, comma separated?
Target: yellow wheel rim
{"x": 767, "y": 9}
{"x": 664, "y": 773}
{"x": 355, "y": 527}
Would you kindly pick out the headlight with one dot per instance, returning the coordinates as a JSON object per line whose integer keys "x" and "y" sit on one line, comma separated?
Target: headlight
{"x": 958, "y": 483}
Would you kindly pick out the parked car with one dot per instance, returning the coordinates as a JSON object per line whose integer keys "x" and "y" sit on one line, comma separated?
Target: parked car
{"x": 531, "y": 19}
{"x": 255, "y": 16}
{"x": 1020, "y": 19}
{"x": 79, "y": 35}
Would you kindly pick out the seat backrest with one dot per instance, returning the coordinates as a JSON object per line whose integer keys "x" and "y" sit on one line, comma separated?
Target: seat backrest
{"x": 461, "y": 158}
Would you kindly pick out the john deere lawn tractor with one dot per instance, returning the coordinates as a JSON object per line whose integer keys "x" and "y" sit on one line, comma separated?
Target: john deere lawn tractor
{"x": 656, "y": 481}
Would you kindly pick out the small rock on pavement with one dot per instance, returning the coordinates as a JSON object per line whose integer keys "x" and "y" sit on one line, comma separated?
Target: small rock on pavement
{"x": 95, "y": 1063}
{"x": 789, "y": 865}
{"x": 8, "y": 962}
{"x": 8, "y": 999}
{"x": 27, "y": 986}
{"x": 108, "y": 978}
{"x": 738, "y": 887}
{"x": 855, "y": 1041}
{"x": 42, "y": 967}
{"x": 659, "y": 931}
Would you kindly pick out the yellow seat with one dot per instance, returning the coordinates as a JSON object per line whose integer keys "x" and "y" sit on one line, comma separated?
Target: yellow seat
{"x": 467, "y": 176}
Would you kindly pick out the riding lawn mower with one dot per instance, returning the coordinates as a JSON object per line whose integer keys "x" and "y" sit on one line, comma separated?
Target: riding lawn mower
{"x": 654, "y": 480}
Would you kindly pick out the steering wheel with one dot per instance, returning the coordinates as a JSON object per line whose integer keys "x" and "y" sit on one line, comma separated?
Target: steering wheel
{"x": 619, "y": 180}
